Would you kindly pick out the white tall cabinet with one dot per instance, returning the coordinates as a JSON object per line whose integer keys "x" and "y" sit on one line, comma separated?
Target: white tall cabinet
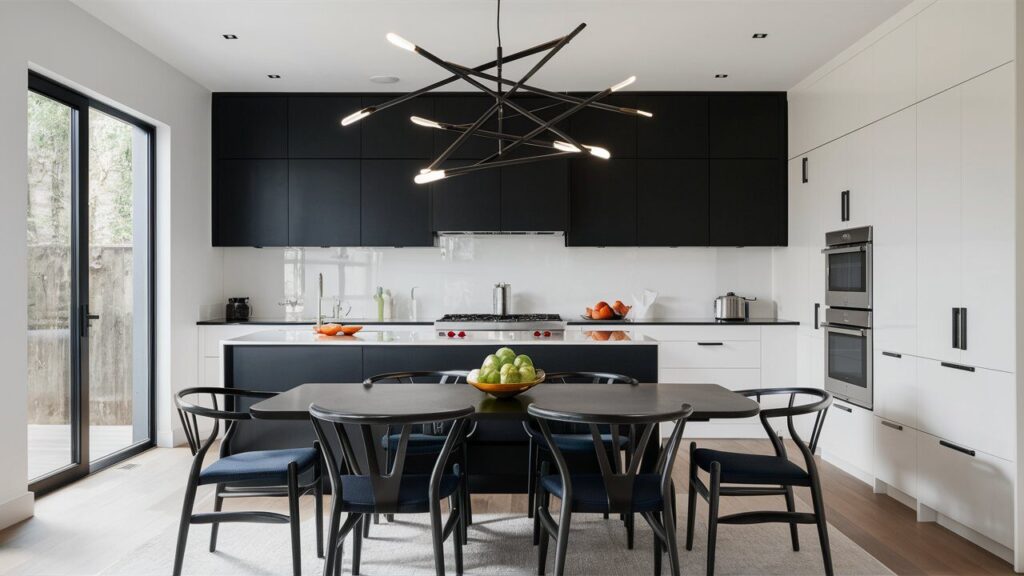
{"x": 918, "y": 121}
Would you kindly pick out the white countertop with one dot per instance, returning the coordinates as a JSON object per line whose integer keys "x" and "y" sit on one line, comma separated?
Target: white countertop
{"x": 306, "y": 336}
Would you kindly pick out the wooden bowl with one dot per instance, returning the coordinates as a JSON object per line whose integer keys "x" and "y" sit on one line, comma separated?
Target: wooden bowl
{"x": 350, "y": 330}
{"x": 507, "y": 390}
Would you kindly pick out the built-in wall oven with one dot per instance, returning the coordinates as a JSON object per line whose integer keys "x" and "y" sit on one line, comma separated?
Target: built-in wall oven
{"x": 848, "y": 339}
{"x": 848, "y": 268}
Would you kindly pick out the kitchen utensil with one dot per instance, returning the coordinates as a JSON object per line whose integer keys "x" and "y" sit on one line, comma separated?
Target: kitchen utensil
{"x": 732, "y": 307}
{"x": 507, "y": 390}
{"x": 502, "y": 298}
{"x": 237, "y": 309}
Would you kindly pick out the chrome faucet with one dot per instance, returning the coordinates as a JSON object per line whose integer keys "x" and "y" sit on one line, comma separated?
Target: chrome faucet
{"x": 320, "y": 300}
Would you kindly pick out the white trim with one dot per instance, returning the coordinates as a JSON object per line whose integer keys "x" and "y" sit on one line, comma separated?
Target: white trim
{"x": 17, "y": 509}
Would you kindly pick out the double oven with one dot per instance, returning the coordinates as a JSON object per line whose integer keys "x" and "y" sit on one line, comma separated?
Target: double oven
{"x": 848, "y": 338}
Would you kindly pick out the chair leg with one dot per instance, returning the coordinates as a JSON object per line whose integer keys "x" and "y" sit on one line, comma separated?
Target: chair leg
{"x": 540, "y": 534}
{"x": 629, "y": 531}
{"x": 691, "y": 499}
{"x": 459, "y": 532}
{"x": 562, "y": 546}
{"x": 218, "y": 502}
{"x": 183, "y": 525}
{"x": 819, "y": 514}
{"x": 657, "y": 551}
{"x": 536, "y": 521}
{"x": 716, "y": 475}
{"x": 437, "y": 533}
{"x": 333, "y": 529}
{"x": 365, "y": 527}
{"x": 668, "y": 516}
{"x": 318, "y": 500}
{"x": 293, "y": 517}
{"x": 531, "y": 480}
{"x": 467, "y": 510}
{"x": 357, "y": 544}
{"x": 794, "y": 534}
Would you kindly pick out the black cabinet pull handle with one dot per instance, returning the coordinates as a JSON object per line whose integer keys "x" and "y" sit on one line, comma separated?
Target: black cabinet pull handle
{"x": 892, "y": 425}
{"x": 956, "y": 328}
{"x": 803, "y": 170}
{"x": 963, "y": 328}
{"x": 817, "y": 307}
{"x": 844, "y": 205}
{"x": 892, "y": 354}
{"x": 710, "y": 344}
{"x": 843, "y": 408}
{"x": 952, "y": 446}
{"x": 958, "y": 367}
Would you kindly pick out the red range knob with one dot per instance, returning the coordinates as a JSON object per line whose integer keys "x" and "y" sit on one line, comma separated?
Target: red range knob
{"x": 547, "y": 334}
{"x": 462, "y": 334}
{"x": 451, "y": 334}
{"x": 536, "y": 333}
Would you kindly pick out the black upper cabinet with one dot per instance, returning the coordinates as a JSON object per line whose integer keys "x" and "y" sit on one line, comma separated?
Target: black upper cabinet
{"x": 464, "y": 110}
{"x": 535, "y": 197}
{"x": 250, "y": 126}
{"x": 467, "y": 203}
{"x": 612, "y": 131}
{"x": 251, "y": 203}
{"x": 748, "y": 207}
{"x": 395, "y": 211}
{"x": 748, "y": 125}
{"x": 679, "y": 128}
{"x": 390, "y": 134}
{"x": 315, "y": 130}
{"x": 323, "y": 203}
{"x": 602, "y": 210}
{"x": 672, "y": 202}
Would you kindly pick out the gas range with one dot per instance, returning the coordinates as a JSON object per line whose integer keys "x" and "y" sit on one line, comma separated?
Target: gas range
{"x": 526, "y": 325}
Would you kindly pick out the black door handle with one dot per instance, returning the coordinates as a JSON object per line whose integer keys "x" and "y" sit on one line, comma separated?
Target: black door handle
{"x": 710, "y": 344}
{"x": 803, "y": 170}
{"x": 817, "y": 307}
{"x": 892, "y": 425}
{"x": 892, "y": 354}
{"x": 963, "y": 328}
{"x": 952, "y": 446}
{"x": 958, "y": 366}
{"x": 956, "y": 328}
{"x": 843, "y": 408}
{"x": 844, "y": 205}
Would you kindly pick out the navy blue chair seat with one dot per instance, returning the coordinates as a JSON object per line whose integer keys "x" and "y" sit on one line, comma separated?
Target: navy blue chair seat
{"x": 413, "y": 493}
{"x": 589, "y": 494}
{"x": 576, "y": 443}
{"x": 259, "y": 467}
{"x": 419, "y": 444}
{"x": 740, "y": 468}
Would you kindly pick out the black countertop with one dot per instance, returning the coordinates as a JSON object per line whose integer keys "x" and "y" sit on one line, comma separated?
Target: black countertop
{"x": 570, "y": 322}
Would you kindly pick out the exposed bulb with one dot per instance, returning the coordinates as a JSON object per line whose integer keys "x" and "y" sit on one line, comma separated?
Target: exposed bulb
{"x": 598, "y": 151}
{"x": 356, "y": 116}
{"x": 428, "y": 176}
{"x": 564, "y": 146}
{"x": 424, "y": 122}
{"x": 645, "y": 113}
{"x": 401, "y": 42}
{"x": 623, "y": 84}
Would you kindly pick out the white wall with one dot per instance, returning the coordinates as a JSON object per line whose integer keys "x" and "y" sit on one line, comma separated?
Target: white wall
{"x": 545, "y": 276}
{"x": 65, "y": 43}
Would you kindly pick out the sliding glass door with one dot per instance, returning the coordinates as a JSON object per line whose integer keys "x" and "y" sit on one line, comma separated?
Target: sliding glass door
{"x": 90, "y": 285}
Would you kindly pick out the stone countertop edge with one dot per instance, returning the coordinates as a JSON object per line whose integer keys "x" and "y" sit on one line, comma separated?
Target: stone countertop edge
{"x": 569, "y": 322}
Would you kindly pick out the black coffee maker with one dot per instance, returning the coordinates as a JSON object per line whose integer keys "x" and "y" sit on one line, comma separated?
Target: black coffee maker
{"x": 237, "y": 310}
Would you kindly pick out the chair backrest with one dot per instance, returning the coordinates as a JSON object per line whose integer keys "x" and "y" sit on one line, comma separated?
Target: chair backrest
{"x": 818, "y": 406}
{"x": 190, "y": 413}
{"x": 619, "y": 477}
{"x": 350, "y": 444}
{"x": 589, "y": 378}
{"x": 438, "y": 376}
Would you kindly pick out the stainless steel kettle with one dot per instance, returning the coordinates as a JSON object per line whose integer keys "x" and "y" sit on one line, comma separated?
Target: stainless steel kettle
{"x": 732, "y": 307}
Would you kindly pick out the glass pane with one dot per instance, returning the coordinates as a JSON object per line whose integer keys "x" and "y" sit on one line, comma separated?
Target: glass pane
{"x": 49, "y": 286}
{"x": 118, "y": 285}
{"x": 847, "y": 272}
{"x": 847, "y": 358}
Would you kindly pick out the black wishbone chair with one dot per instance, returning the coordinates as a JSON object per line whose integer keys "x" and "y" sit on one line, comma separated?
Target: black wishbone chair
{"x": 761, "y": 475}
{"x": 366, "y": 485}
{"x": 572, "y": 439}
{"x": 429, "y": 440}
{"x": 628, "y": 491}
{"x": 261, "y": 473}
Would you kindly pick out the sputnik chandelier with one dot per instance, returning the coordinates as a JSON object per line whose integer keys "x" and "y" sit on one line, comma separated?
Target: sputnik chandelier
{"x": 504, "y": 108}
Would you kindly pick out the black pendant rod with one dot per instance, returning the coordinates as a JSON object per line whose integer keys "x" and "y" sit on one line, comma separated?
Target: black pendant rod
{"x": 501, "y": 99}
{"x": 497, "y": 136}
{"x": 460, "y": 170}
{"x": 486, "y": 66}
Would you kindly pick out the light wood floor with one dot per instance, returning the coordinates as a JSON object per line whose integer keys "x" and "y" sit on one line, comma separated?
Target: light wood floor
{"x": 93, "y": 523}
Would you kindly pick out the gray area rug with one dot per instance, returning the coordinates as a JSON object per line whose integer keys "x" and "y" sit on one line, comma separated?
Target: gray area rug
{"x": 500, "y": 544}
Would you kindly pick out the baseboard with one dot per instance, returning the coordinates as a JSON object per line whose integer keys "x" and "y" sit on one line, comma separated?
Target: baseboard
{"x": 17, "y": 509}
{"x": 847, "y": 467}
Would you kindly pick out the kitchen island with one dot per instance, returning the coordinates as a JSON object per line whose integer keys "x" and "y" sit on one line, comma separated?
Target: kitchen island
{"x": 279, "y": 360}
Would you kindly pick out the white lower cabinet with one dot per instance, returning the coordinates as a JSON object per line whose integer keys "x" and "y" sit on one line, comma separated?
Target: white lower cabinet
{"x": 969, "y": 486}
{"x": 895, "y": 383}
{"x": 896, "y": 455}
{"x": 848, "y": 437}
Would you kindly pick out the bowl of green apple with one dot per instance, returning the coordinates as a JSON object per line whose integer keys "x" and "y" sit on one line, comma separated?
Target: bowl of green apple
{"x": 505, "y": 374}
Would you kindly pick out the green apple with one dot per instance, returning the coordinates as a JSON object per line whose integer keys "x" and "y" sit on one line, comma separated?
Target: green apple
{"x": 527, "y": 373}
{"x": 489, "y": 375}
{"x": 506, "y": 355}
{"x": 492, "y": 361}
{"x": 523, "y": 360}
{"x": 509, "y": 374}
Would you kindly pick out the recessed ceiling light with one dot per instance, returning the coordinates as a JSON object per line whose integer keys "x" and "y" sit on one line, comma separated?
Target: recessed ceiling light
{"x": 230, "y": 37}
{"x": 384, "y": 79}
{"x": 760, "y": 35}
{"x": 273, "y": 76}
{"x": 721, "y": 75}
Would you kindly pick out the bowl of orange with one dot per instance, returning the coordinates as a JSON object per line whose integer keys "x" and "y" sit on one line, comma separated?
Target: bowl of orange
{"x": 335, "y": 329}
{"x": 603, "y": 311}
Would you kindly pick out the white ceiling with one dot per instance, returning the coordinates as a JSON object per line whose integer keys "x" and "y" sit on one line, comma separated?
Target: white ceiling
{"x": 337, "y": 45}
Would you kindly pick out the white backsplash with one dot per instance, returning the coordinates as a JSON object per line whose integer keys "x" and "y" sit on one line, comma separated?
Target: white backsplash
{"x": 458, "y": 276}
